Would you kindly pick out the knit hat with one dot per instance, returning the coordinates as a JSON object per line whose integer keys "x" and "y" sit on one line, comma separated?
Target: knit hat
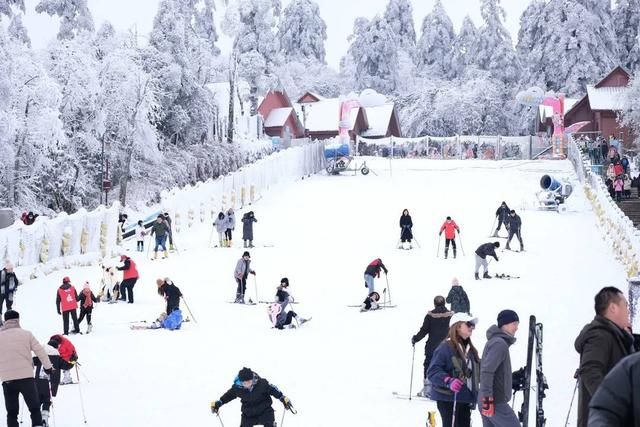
{"x": 86, "y": 286}
{"x": 454, "y": 282}
{"x": 159, "y": 282}
{"x": 245, "y": 374}
{"x": 66, "y": 279}
{"x": 507, "y": 316}
{"x": 246, "y": 253}
{"x": 448, "y": 218}
{"x": 54, "y": 342}
{"x": 11, "y": 314}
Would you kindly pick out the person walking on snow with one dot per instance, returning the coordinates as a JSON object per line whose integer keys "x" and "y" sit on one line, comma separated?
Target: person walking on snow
{"x": 372, "y": 271}
{"x": 8, "y": 286}
{"x": 436, "y": 325}
{"x": 161, "y": 230}
{"x": 247, "y": 229}
{"x": 16, "y": 369}
{"x": 87, "y": 299}
{"x": 449, "y": 227}
{"x": 167, "y": 220}
{"x": 231, "y": 225}
{"x": 68, "y": 355}
{"x": 129, "y": 278}
{"x": 458, "y": 298}
{"x": 501, "y": 214}
{"x": 140, "y": 233}
{"x": 283, "y": 317}
{"x": 255, "y": 395}
{"x": 67, "y": 304}
{"x": 170, "y": 292}
{"x": 221, "y": 228}
{"x": 406, "y": 225}
{"x": 487, "y": 249}
{"x": 242, "y": 271}
{"x": 515, "y": 225}
{"x": 496, "y": 381}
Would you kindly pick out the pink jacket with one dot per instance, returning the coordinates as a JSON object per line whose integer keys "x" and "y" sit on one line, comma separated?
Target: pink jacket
{"x": 618, "y": 185}
{"x": 16, "y": 361}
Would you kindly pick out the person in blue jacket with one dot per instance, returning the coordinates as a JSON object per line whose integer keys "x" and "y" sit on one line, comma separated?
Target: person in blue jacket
{"x": 454, "y": 372}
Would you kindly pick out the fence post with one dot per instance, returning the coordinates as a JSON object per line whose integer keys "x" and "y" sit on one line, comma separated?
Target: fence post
{"x": 530, "y": 147}
{"x": 634, "y": 296}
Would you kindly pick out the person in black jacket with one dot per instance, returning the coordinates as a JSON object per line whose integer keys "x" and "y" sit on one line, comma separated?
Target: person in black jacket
{"x": 501, "y": 214}
{"x": 255, "y": 395}
{"x": 487, "y": 249}
{"x": 8, "y": 285}
{"x": 436, "y": 325}
{"x": 406, "y": 235}
{"x": 514, "y": 225}
{"x": 170, "y": 292}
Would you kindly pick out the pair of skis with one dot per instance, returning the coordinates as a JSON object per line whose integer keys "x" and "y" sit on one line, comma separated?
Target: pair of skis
{"x": 535, "y": 336}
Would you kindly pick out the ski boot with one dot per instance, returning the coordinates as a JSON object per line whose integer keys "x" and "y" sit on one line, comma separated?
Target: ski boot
{"x": 477, "y": 276}
{"x": 45, "y": 418}
{"x": 166, "y": 254}
{"x": 89, "y": 328}
{"x": 245, "y": 244}
{"x": 486, "y": 275}
{"x": 495, "y": 233}
{"x": 521, "y": 248}
{"x": 508, "y": 247}
{"x": 251, "y": 243}
{"x": 446, "y": 253}
{"x": 454, "y": 254}
{"x": 239, "y": 299}
{"x": 66, "y": 378}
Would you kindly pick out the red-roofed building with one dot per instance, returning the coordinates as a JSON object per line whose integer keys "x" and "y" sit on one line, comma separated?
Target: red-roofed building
{"x": 280, "y": 118}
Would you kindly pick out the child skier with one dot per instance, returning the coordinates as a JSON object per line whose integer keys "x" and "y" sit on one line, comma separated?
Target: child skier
{"x": 67, "y": 304}
{"x": 406, "y": 235}
{"x": 373, "y": 270}
{"x": 280, "y": 317}
{"x": 458, "y": 298}
{"x": 87, "y": 299}
{"x": 449, "y": 227}
{"x": 221, "y": 228}
{"x": 255, "y": 395}
{"x": 231, "y": 225}
{"x": 247, "y": 229}
{"x": 140, "y": 233}
{"x": 47, "y": 384}
{"x": 68, "y": 356}
{"x": 242, "y": 271}
{"x": 371, "y": 302}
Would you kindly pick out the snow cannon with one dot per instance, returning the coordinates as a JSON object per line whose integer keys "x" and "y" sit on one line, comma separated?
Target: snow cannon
{"x": 554, "y": 192}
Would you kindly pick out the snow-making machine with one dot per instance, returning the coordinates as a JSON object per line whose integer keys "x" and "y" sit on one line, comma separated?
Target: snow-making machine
{"x": 553, "y": 193}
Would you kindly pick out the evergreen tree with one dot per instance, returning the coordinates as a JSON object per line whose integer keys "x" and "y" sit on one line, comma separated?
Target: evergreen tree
{"x": 464, "y": 48}
{"x": 532, "y": 30}
{"x": 74, "y": 16}
{"x": 6, "y": 7}
{"x": 495, "y": 52}
{"x": 303, "y": 32}
{"x": 18, "y": 31}
{"x": 399, "y": 15}
{"x": 434, "y": 49}
{"x": 626, "y": 21}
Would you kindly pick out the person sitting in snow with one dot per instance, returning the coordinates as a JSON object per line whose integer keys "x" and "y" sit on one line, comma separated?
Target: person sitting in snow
{"x": 280, "y": 317}
{"x": 371, "y": 302}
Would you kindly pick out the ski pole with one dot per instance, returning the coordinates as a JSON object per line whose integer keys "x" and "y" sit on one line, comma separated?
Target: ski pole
{"x": 149, "y": 246}
{"x": 413, "y": 358}
{"x": 283, "y": 414}
{"x": 461, "y": 246}
{"x": 453, "y": 415}
{"x": 493, "y": 229}
{"x": 255, "y": 286}
{"x": 388, "y": 287}
{"x": 84, "y": 416}
{"x": 566, "y": 423}
{"x": 21, "y": 412}
{"x": 438, "y": 250}
{"x": 220, "y": 419}
{"x": 189, "y": 310}
{"x": 398, "y": 244}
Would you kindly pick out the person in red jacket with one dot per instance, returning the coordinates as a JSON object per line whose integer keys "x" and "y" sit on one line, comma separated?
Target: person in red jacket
{"x": 449, "y": 227}
{"x": 67, "y": 304}
{"x": 372, "y": 271}
{"x": 68, "y": 356}
{"x": 129, "y": 278}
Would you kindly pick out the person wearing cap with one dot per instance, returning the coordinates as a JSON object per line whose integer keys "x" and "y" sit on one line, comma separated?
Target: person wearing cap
{"x": 501, "y": 215}
{"x": 255, "y": 395}
{"x": 454, "y": 372}
{"x": 436, "y": 325}
{"x": 171, "y": 294}
{"x": 8, "y": 286}
{"x": 458, "y": 298}
{"x": 160, "y": 229}
{"x": 483, "y": 251}
{"x": 406, "y": 224}
{"x": 86, "y": 299}
{"x": 129, "y": 278}
{"x": 242, "y": 271}
{"x": 372, "y": 271}
{"x": 283, "y": 317}
{"x": 495, "y": 373}
{"x": 67, "y": 304}
{"x": 449, "y": 227}
{"x": 515, "y": 224}
{"x": 16, "y": 369}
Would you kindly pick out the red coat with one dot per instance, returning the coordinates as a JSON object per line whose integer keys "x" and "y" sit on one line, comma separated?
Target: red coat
{"x": 618, "y": 169}
{"x": 67, "y": 299}
{"x": 129, "y": 270}
{"x": 449, "y": 228}
{"x": 65, "y": 348}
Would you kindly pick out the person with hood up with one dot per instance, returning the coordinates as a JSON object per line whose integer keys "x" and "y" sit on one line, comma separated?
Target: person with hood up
{"x": 171, "y": 294}
{"x": 496, "y": 381}
{"x": 242, "y": 271}
{"x": 129, "y": 278}
{"x": 458, "y": 298}
{"x": 406, "y": 226}
{"x": 247, "y": 229}
{"x": 86, "y": 299}
{"x": 67, "y": 304}
{"x": 231, "y": 225}
{"x": 8, "y": 286}
{"x": 255, "y": 395}
{"x": 487, "y": 249}
{"x": 221, "y": 227}
{"x": 501, "y": 214}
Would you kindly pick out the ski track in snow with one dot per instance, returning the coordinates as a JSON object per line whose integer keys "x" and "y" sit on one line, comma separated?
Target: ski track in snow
{"x": 342, "y": 368}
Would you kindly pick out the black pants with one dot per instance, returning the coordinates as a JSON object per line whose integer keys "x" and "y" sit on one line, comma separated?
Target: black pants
{"x": 85, "y": 312}
{"x": 517, "y": 234}
{"x": 44, "y": 393}
{"x": 9, "y": 300}
{"x": 12, "y": 391}
{"x": 140, "y": 245}
{"x": 65, "y": 321}
{"x": 227, "y": 234}
{"x": 463, "y": 414}
{"x": 172, "y": 305}
{"x": 446, "y": 246}
{"x": 126, "y": 287}
{"x": 287, "y": 321}
{"x": 427, "y": 361}
{"x": 242, "y": 287}
{"x": 267, "y": 420}
{"x": 500, "y": 222}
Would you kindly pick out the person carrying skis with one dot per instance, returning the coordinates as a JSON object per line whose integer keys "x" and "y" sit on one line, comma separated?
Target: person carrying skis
{"x": 242, "y": 271}
{"x": 406, "y": 225}
{"x": 140, "y": 233}
{"x": 501, "y": 214}
{"x": 231, "y": 225}
{"x": 247, "y": 229}
{"x": 487, "y": 249}
{"x": 283, "y": 317}
{"x": 436, "y": 325}
{"x": 496, "y": 380}
{"x": 47, "y": 384}
{"x": 8, "y": 285}
{"x": 129, "y": 278}
{"x": 449, "y": 227}
{"x": 170, "y": 292}
{"x": 515, "y": 224}
{"x": 87, "y": 299}
{"x": 221, "y": 228}
{"x": 458, "y": 298}
{"x": 373, "y": 270}
{"x": 255, "y": 395}
{"x": 68, "y": 356}
{"x": 67, "y": 304}
{"x": 160, "y": 229}
{"x": 454, "y": 372}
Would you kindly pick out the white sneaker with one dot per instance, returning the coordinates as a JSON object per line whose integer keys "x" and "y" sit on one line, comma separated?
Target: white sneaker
{"x": 89, "y": 328}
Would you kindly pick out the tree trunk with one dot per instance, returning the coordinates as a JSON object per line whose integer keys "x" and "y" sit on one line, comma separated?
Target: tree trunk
{"x": 232, "y": 82}
{"x": 124, "y": 179}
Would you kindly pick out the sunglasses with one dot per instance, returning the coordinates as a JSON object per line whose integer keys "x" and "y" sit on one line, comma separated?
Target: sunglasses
{"x": 471, "y": 325}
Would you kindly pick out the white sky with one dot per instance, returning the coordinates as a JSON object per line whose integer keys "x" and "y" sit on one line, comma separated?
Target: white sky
{"x": 338, "y": 14}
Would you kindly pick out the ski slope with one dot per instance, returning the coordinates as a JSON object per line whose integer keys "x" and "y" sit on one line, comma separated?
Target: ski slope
{"x": 341, "y": 368}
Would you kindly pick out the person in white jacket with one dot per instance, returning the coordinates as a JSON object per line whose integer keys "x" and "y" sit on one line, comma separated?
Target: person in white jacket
{"x": 140, "y": 233}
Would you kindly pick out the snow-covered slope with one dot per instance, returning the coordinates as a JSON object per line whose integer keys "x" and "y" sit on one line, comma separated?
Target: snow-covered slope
{"x": 341, "y": 368}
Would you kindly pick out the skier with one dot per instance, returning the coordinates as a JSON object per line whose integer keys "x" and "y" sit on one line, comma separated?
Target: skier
{"x": 87, "y": 299}
{"x": 221, "y": 228}
{"x": 496, "y": 375}
{"x": 129, "y": 278}
{"x": 231, "y": 225}
{"x": 514, "y": 225}
{"x": 373, "y": 270}
{"x": 371, "y": 302}
{"x": 247, "y": 229}
{"x": 66, "y": 304}
{"x": 242, "y": 271}
{"x": 436, "y": 325}
{"x": 8, "y": 286}
{"x": 283, "y": 318}
{"x": 255, "y": 394}
{"x": 458, "y": 298}
{"x": 167, "y": 220}
{"x": 170, "y": 292}
{"x": 16, "y": 369}
{"x": 454, "y": 372}
{"x": 449, "y": 227}
{"x": 110, "y": 285}
{"x": 602, "y": 344}
{"x": 501, "y": 214}
{"x": 47, "y": 384}
{"x": 160, "y": 229}
{"x": 484, "y": 250}
{"x": 406, "y": 235}
{"x": 68, "y": 356}
{"x": 140, "y": 233}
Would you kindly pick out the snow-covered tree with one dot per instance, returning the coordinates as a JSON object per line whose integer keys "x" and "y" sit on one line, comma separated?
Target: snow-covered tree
{"x": 74, "y": 15}
{"x": 464, "y": 48}
{"x": 18, "y": 31}
{"x": 302, "y": 32}
{"x": 300, "y": 77}
{"x": 399, "y": 15}
{"x": 532, "y": 29}
{"x": 7, "y": 6}
{"x": 434, "y": 49}
{"x": 631, "y": 113}
{"x": 626, "y": 21}
{"x": 495, "y": 50}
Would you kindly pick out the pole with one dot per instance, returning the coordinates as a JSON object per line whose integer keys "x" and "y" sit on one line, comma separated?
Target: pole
{"x": 255, "y": 286}
{"x": 491, "y": 233}
{"x": 84, "y": 416}
{"x": 388, "y": 288}
{"x": 461, "y": 247}
{"x": 413, "y": 358}
{"x": 566, "y": 423}
{"x": 283, "y": 414}
{"x": 455, "y": 403}
{"x": 220, "y": 419}
{"x": 438, "y": 250}
{"x": 189, "y": 310}
{"x": 102, "y": 170}
{"x": 391, "y": 158}
{"x": 417, "y": 243}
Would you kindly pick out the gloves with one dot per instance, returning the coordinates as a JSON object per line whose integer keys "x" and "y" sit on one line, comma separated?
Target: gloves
{"x": 488, "y": 407}
{"x": 59, "y": 314}
{"x": 253, "y": 272}
{"x": 286, "y": 402}
{"x": 49, "y": 371}
{"x": 215, "y": 406}
{"x": 454, "y": 384}
{"x": 413, "y": 340}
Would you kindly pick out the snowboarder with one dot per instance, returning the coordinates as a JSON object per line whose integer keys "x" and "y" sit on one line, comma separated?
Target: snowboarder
{"x": 436, "y": 325}
{"x": 371, "y": 302}
{"x": 247, "y": 229}
{"x": 67, "y": 304}
{"x": 373, "y": 270}
{"x": 167, "y": 220}
{"x": 487, "y": 249}
{"x": 110, "y": 285}
{"x": 16, "y": 369}
{"x": 496, "y": 381}
{"x": 161, "y": 230}
{"x": 458, "y": 298}
{"x": 221, "y": 228}
{"x": 455, "y": 372}
{"x": 515, "y": 224}
{"x": 242, "y": 271}
{"x": 170, "y": 292}
{"x": 501, "y": 214}
{"x": 449, "y": 227}
{"x": 282, "y": 318}
{"x": 129, "y": 278}
{"x": 406, "y": 225}
{"x": 231, "y": 225}
{"x": 87, "y": 299}
{"x": 8, "y": 285}
{"x": 47, "y": 384}
{"x": 140, "y": 233}
{"x": 255, "y": 394}
{"x": 68, "y": 355}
